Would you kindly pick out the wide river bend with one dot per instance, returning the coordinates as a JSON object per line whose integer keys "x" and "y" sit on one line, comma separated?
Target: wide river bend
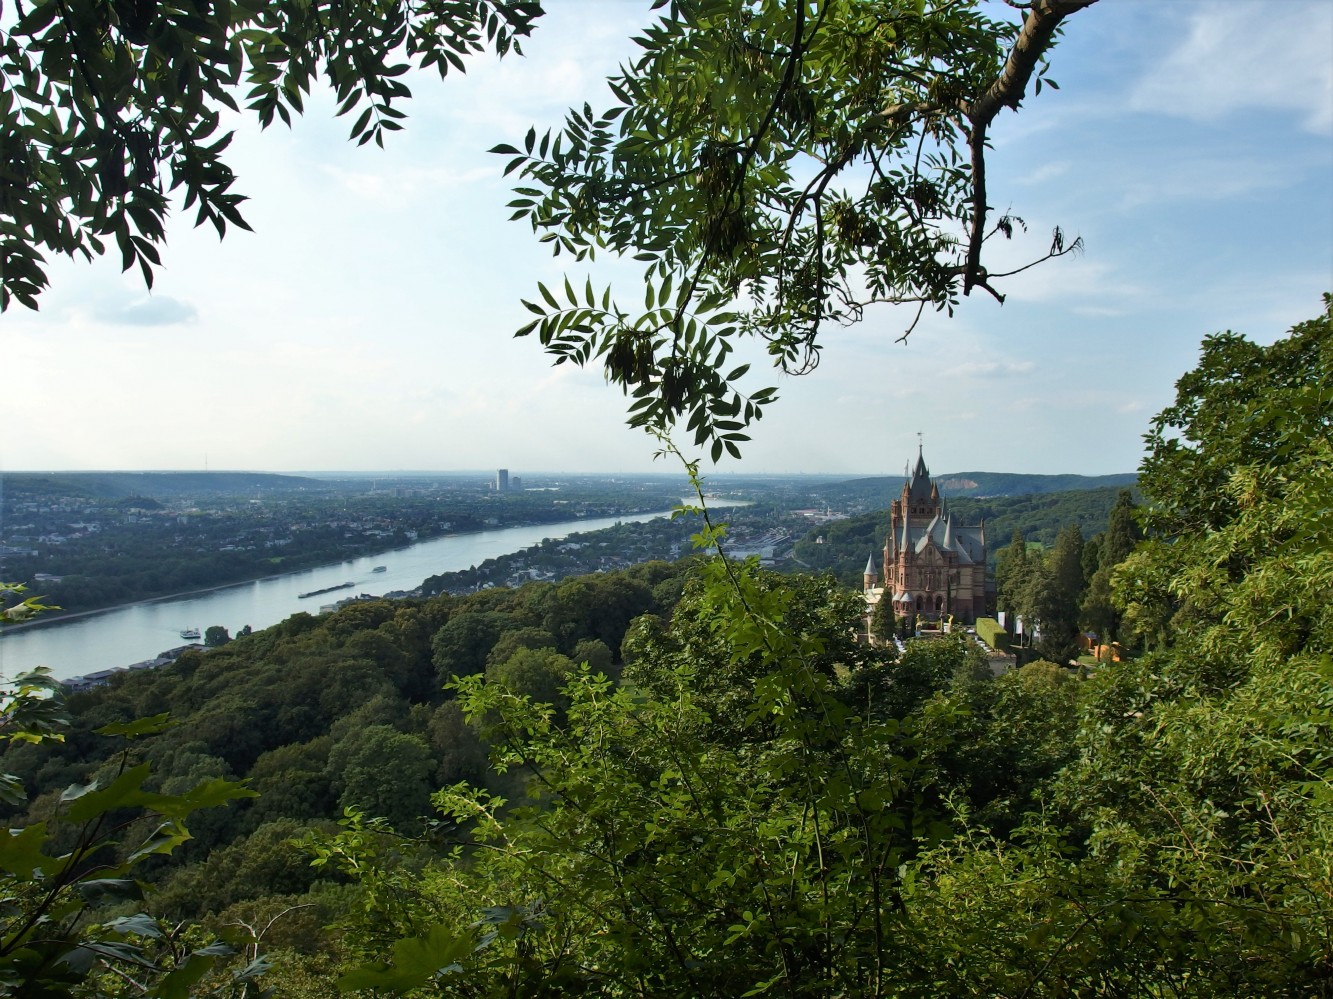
{"x": 136, "y": 632}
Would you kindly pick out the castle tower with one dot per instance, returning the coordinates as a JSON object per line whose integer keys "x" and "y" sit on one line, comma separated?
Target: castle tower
{"x": 934, "y": 568}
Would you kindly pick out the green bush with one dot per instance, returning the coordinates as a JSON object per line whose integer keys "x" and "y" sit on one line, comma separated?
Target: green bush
{"x": 993, "y": 634}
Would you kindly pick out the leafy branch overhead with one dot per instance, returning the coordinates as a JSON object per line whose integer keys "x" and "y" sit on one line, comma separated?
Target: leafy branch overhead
{"x": 108, "y": 107}
{"x": 779, "y": 167}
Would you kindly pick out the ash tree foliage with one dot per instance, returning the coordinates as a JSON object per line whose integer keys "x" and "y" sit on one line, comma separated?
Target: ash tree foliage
{"x": 765, "y": 806}
{"x": 780, "y": 167}
{"x": 55, "y": 874}
{"x": 108, "y": 110}
{"x": 668, "y": 836}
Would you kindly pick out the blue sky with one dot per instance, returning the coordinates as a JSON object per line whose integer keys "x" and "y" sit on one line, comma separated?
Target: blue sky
{"x": 365, "y": 324}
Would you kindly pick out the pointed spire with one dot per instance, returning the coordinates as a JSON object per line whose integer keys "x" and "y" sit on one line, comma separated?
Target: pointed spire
{"x": 870, "y": 567}
{"x": 921, "y": 470}
{"x": 919, "y": 488}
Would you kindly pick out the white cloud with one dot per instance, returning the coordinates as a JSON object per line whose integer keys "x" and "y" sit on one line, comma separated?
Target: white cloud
{"x": 995, "y": 369}
{"x": 1247, "y": 56}
{"x": 1074, "y": 279}
{"x": 1045, "y": 173}
{"x": 398, "y": 187}
{"x": 368, "y": 321}
{"x": 149, "y": 310}
{"x": 1183, "y": 178}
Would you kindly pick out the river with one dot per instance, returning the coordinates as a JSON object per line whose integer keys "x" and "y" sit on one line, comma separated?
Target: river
{"x": 124, "y": 635}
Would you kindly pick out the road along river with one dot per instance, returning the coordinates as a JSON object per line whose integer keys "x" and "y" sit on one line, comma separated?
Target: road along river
{"x": 124, "y": 635}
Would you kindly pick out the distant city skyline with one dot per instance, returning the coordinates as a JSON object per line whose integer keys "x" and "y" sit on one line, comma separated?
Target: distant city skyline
{"x": 366, "y": 325}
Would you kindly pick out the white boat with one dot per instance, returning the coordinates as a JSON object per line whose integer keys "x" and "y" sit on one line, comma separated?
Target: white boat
{"x": 191, "y": 633}
{"x": 380, "y": 568}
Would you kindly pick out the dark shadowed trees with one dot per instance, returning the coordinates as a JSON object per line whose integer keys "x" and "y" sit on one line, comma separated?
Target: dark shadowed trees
{"x": 108, "y": 111}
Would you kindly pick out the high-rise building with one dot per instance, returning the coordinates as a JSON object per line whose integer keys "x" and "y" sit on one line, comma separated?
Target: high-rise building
{"x": 502, "y": 481}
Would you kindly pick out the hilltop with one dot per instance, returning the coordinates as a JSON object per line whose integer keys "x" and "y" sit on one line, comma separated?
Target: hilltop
{"x": 876, "y": 491}
{"x": 156, "y": 485}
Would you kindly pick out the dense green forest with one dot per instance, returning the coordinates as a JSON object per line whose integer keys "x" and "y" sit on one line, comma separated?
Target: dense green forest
{"x": 692, "y": 778}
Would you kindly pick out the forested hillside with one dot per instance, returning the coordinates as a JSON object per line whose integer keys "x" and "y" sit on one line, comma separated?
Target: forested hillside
{"x": 154, "y": 485}
{"x": 870, "y": 493}
{"x": 734, "y": 793}
{"x": 842, "y": 546}
{"x": 318, "y": 715}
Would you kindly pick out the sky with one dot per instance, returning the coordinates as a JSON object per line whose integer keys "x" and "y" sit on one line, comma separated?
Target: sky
{"x": 366, "y": 324}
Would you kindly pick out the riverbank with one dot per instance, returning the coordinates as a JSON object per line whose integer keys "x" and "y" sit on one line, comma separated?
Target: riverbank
{"x": 82, "y": 642}
{"x": 67, "y": 616}
{"x": 64, "y": 617}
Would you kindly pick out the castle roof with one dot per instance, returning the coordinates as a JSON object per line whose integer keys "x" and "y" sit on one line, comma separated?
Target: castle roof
{"x": 920, "y": 488}
{"x": 968, "y": 543}
{"x": 910, "y": 535}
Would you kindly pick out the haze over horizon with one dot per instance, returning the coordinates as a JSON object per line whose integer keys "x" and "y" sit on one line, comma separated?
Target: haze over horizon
{"x": 533, "y": 474}
{"x": 366, "y": 324}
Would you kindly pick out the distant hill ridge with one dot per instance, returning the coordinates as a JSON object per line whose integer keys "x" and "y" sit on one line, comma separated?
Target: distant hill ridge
{"x": 979, "y": 484}
{"x": 841, "y": 546}
{"x": 158, "y": 485}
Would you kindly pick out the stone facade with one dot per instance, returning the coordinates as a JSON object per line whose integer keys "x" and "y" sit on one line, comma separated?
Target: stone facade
{"x": 933, "y": 567}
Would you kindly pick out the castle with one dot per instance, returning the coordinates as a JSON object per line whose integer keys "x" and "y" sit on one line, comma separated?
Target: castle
{"x": 933, "y": 567}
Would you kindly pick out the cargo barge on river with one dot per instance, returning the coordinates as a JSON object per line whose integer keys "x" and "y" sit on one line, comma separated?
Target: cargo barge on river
{"x": 327, "y": 589}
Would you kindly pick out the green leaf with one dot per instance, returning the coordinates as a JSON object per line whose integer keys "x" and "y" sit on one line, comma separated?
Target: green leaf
{"x": 140, "y": 924}
{"x": 177, "y": 984}
{"x": 416, "y": 960}
{"x": 163, "y": 840}
{"x": 141, "y": 726}
{"x": 21, "y": 852}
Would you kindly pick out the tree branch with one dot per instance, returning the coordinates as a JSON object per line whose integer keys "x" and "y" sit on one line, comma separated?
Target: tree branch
{"x": 1039, "y": 26}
